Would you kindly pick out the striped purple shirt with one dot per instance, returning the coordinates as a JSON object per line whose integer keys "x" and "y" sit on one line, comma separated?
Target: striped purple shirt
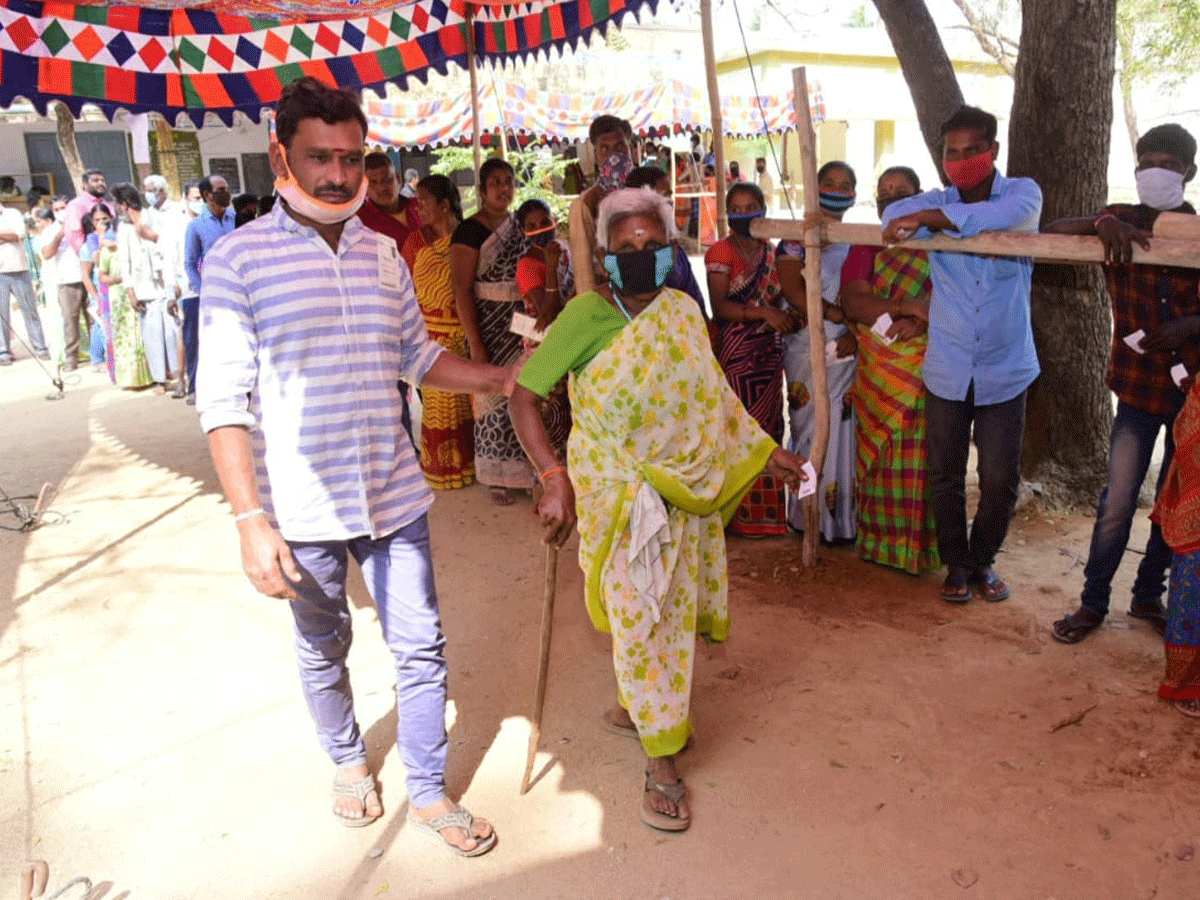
{"x": 304, "y": 348}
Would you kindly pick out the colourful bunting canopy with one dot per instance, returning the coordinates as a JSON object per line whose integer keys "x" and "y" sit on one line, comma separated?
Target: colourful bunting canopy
{"x": 664, "y": 108}
{"x": 176, "y": 56}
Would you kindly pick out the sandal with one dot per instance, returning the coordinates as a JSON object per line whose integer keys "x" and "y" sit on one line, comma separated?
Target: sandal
{"x": 359, "y": 790}
{"x": 956, "y": 588}
{"x": 614, "y": 727}
{"x": 1151, "y": 611}
{"x": 989, "y": 585}
{"x": 673, "y": 792}
{"x": 460, "y": 818}
{"x": 1189, "y": 708}
{"x": 1075, "y": 627}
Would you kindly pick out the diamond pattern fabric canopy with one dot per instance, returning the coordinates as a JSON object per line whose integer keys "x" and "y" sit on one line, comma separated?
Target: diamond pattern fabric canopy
{"x": 176, "y": 56}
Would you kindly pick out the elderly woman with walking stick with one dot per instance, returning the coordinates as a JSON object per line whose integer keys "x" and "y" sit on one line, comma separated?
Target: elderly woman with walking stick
{"x": 659, "y": 456}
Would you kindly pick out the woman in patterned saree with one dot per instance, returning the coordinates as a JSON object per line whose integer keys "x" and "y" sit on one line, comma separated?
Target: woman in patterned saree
{"x": 545, "y": 281}
{"x": 660, "y": 453}
{"x": 447, "y": 427}
{"x": 484, "y": 251}
{"x": 746, "y": 300}
{"x": 1178, "y": 514}
{"x": 895, "y": 521}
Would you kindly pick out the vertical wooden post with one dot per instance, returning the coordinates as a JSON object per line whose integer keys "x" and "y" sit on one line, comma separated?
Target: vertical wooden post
{"x": 816, "y": 317}
{"x": 474, "y": 100}
{"x": 714, "y": 102}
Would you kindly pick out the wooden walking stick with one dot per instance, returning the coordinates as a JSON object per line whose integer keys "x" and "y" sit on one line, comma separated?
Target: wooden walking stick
{"x": 539, "y": 696}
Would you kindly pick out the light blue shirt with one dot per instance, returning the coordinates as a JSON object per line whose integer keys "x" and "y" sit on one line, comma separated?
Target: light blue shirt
{"x": 202, "y": 232}
{"x": 303, "y": 346}
{"x": 979, "y": 328}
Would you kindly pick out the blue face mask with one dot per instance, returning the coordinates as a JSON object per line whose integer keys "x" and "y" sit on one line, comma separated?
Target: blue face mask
{"x": 639, "y": 272}
{"x": 836, "y": 203}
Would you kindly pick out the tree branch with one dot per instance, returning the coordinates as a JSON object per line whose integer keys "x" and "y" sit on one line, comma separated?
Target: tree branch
{"x": 988, "y": 35}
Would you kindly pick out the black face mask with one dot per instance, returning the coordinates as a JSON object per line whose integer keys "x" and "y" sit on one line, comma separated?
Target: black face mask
{"x": 740, "y": 225}
{"x": 639, "y": 272}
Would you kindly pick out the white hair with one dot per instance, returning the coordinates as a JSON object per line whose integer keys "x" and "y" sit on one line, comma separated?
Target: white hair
{"x": 156, "y": 182}
{"x": 626, "y": 202}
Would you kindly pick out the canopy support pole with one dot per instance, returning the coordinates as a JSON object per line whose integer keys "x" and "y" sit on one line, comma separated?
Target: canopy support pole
{"x": 474, "y": 100}
{"x": 714, "y": 102}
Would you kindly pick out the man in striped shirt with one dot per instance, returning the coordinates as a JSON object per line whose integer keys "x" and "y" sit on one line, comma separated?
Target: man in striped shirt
{"x": 307, "y": 319}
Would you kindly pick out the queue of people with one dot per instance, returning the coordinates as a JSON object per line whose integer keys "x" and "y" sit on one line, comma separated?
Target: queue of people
{"x": 653, "y": 420}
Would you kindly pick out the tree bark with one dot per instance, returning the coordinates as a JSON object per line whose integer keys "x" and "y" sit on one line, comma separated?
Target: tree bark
{"x": 926, "y": 67}
{"x": 68, "y": 148}
{"x": 1059, "y": 135}
{"x": 1125, "y": 44}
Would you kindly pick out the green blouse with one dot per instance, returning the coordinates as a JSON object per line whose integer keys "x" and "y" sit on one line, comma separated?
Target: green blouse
{"x": 587, "y": 325}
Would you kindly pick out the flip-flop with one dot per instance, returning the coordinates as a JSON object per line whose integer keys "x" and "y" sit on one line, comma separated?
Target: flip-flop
{"x": 459, "y": 818}
{"x": 359, "y": 791}
{"x": 956, "y": 588}
{"x": 989, "y": 586}
{"x": 1074, "y": 627}
{"x": 613, "y": 727}
{"x": 607, "y": 723}
{"x": 673, "y": 792}
{"x": 1154, "y": 613}
{"x": 1189, "y": 708}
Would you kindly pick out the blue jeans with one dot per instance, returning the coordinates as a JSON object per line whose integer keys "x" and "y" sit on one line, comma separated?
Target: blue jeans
{"x": 398, "y": 571}
{"x": 190, "y": 307}
{"x": 998, "y": 431}
{"x": 20, "y": 285}
{"x": 1130, "y": 446}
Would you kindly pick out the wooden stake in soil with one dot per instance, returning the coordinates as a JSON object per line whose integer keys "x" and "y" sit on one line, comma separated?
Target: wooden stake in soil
{"x": 539, "y": 695}
{"x": 816, "y": 316}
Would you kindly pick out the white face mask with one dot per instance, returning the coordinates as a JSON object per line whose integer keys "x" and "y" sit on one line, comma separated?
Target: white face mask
{"x": 1159, "y": 188}
{"x": 196, "y": 206}
{"x": 310, "y": 207}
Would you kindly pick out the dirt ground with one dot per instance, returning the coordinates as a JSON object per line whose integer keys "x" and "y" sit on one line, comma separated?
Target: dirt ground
{"x": 856, "y": 737}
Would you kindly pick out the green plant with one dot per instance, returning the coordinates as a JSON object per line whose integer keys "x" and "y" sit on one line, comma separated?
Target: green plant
{"x": 536, "y": 169}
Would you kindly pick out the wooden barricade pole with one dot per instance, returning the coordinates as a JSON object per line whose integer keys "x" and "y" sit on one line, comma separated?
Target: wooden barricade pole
{"x": 816, "y": 316}
{"x": 1061, "y": 249}
{"x": 718, "y": 120}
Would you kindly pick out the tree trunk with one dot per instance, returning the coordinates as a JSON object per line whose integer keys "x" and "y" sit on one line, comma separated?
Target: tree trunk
{"x": 1059, "y": 136}
{"x": 68, "y": 148}
{"x": 926, "y": 67}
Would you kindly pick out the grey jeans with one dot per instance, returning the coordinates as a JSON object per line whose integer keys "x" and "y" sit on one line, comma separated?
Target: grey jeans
{"x": 398, "y": 571}
{"x": 20, "y": 284}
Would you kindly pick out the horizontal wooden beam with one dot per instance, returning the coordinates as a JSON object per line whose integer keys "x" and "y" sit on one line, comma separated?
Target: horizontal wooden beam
{"x": 1060, "y": 249}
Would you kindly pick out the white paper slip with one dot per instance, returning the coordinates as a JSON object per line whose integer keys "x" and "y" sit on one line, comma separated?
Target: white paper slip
{"x": 1178, "y": 373}
{"x": 831, "y": 357}
{"x": 1135, "y": 341}
{"x": 881, "y": 326}
{"x": 809, "y": 486}
{"x": 526, "y": 327}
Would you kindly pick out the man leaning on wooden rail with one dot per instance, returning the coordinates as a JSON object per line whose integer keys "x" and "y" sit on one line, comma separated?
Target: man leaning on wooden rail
{"x": 981, "y": 358}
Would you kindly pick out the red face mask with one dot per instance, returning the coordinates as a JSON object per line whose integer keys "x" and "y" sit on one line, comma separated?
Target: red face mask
{"x": 971, "y": 172}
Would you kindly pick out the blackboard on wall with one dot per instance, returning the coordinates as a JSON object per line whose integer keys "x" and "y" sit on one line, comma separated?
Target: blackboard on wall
{"x": 227, "y": 168}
